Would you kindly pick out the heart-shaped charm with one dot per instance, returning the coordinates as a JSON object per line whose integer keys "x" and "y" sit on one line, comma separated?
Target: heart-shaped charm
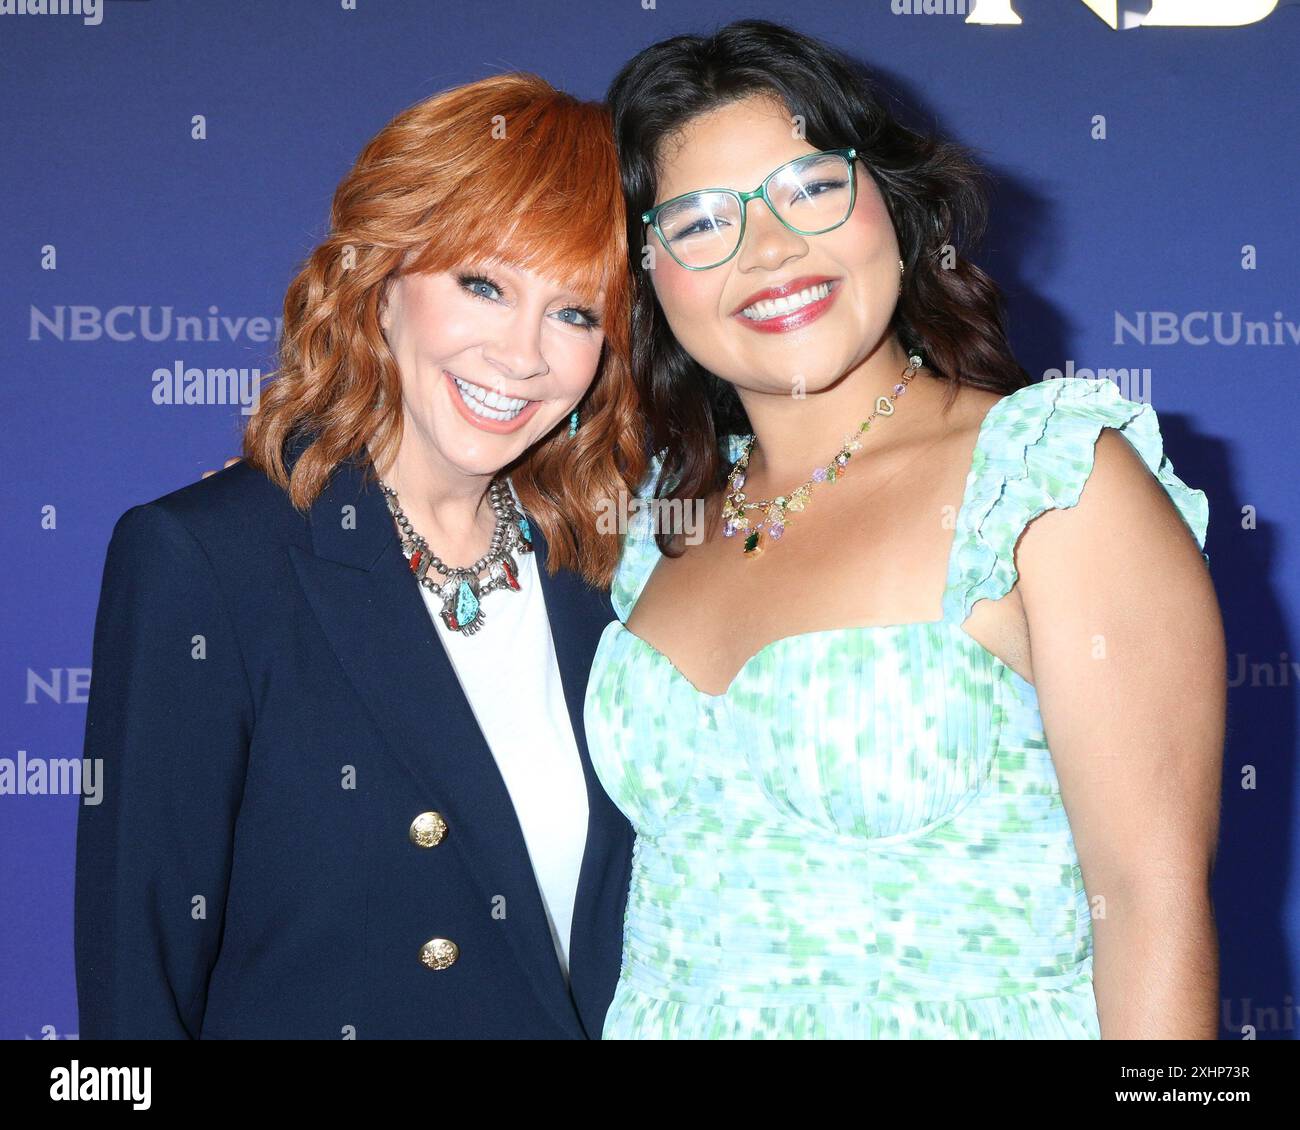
{"x": 884, "y": 406}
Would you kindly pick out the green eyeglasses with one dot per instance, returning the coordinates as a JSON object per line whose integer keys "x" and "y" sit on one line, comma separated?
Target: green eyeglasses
{"x": 810, "y": 195}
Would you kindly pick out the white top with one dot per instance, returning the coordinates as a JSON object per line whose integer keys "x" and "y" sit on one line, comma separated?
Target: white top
{"x": 511, "y": 678}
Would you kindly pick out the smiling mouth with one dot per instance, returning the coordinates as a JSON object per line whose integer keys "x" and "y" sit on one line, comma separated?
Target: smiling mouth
{"x": 769, "y": 308}
{"x": 488, "y": 404}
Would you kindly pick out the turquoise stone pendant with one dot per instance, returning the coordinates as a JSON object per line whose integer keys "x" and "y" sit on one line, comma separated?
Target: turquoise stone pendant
{"x": 525, "y": 532}
{"x": 461, "y": 610}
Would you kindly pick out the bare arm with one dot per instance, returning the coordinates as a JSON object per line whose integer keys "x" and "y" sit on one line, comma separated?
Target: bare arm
{"x": 1129, "y": 661}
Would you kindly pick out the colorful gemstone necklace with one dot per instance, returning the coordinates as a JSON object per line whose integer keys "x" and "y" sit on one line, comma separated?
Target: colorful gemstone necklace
{"x": 776, "y": 511}
{"x": 462, "y": 592}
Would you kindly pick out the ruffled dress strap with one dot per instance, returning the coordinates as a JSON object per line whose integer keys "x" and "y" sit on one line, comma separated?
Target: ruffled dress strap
{"x": 1034, "y": 453}
{"x": 640, "y": 553}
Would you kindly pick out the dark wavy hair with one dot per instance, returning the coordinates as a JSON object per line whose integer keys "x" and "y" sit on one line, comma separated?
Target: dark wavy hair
{"x": 934, "y": 190}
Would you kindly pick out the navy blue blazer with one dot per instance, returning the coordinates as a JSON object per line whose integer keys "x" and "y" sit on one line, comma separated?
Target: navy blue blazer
{"x": 273, "y": 710}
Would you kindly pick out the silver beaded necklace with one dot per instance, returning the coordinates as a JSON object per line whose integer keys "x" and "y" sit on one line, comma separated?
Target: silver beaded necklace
{"x": 462, "y": 592}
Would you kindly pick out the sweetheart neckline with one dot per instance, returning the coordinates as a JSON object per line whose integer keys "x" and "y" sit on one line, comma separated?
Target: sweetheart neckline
{"x": 967, "y": 500}
{"x": 816, "y": 632}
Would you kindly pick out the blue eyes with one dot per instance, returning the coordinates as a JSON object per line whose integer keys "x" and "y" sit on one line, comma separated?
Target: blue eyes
{"x": 469, "y": 282}
{"x": 589, "y": 320}
{"x": 478, "y": 284}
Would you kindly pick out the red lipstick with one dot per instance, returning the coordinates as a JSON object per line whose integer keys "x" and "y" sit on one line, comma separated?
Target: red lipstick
{"x": 795, "y": 319}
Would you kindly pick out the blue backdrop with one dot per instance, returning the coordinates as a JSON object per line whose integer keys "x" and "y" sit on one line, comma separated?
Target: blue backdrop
{"x": 1144, "y": 229}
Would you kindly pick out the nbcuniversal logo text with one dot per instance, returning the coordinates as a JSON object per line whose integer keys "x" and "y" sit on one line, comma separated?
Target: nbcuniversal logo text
{"x": 127, "y": 323}
{"x": 1201, "y": 327}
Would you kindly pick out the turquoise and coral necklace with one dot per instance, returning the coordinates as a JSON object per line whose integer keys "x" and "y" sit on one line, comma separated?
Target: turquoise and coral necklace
{"x": 775, "y": 512}
{"x": 462, "y": 592}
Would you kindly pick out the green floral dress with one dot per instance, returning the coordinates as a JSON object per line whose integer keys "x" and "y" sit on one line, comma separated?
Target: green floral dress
{"x": 863, "y": 836}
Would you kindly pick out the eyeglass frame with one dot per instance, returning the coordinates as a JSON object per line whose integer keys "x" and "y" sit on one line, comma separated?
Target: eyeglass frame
{"x": 651, "y": 215}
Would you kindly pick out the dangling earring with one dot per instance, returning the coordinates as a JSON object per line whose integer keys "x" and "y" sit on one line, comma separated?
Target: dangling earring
{"x": 573, "y": 424}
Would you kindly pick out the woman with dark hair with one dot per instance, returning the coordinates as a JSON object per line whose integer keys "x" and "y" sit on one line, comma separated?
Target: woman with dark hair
{"x": 902, "y": 758}
{"x": 338, "y": 687}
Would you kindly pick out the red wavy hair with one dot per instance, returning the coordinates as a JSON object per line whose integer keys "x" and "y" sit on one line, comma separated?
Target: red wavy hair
{"x": 507, "y": 168}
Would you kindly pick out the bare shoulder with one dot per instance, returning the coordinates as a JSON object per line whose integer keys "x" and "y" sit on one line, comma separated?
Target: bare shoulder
{"x": 956, "y": 414}
{"x": 1124, "y": 524}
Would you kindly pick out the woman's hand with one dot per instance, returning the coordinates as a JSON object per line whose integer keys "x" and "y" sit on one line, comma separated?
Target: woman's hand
{"x": 229, "y": 463}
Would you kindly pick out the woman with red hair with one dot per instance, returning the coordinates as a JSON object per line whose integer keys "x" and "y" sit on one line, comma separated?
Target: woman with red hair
{"x": 338, "y": 686}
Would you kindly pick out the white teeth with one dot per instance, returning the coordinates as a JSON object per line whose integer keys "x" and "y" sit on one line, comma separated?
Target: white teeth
{"x": 489, "y": 405}
{"x": 775, "y": 307}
